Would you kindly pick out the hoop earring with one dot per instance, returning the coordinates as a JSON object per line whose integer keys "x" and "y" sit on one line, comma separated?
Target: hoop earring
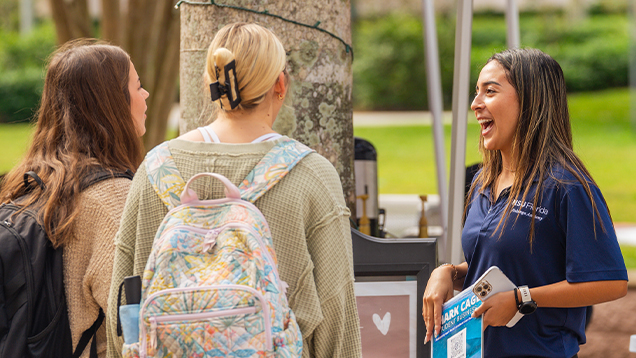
{"x": 281, "y": 96}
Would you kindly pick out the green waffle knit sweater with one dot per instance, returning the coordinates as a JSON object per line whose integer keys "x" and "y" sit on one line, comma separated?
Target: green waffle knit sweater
{"x": 309, "y": 222}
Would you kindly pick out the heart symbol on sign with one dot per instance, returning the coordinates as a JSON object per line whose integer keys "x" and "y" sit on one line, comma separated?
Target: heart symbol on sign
{"x": 382, "y": 324}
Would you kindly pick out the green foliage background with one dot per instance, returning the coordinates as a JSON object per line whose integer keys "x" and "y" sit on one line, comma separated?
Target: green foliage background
{"x": 390, "y": 74}
{"x": 602, "y": 137}
{"x": 389, "y": 70}
{"x": 22, "y": 61}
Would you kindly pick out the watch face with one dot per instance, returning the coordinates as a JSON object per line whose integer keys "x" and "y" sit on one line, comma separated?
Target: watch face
{"x": 528, "y": 307}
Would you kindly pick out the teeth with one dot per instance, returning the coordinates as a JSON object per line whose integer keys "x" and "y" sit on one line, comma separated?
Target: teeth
{"x": 484, "y": 121}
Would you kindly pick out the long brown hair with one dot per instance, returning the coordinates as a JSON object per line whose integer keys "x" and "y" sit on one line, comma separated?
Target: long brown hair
{"x": 543, "y": 137}
{"x": 84, "y": 121}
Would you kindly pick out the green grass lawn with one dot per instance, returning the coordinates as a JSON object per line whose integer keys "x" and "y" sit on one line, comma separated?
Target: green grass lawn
{"x": 603, "y": 138}
{"x": 629, "y": 254}
{"x": 602, "y": 135}
{"x": 14, "y": 140}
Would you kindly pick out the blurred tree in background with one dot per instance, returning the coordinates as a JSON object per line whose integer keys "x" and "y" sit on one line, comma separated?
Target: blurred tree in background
{"x": 389, "y": 70}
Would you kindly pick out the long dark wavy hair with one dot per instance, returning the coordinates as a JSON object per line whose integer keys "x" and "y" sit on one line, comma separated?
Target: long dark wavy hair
{"x": 84, "y": 121}
{"x": 543, "y": 137}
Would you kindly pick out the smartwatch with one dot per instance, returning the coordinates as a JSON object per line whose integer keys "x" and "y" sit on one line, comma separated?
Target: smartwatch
{"x": 527, "y": 305}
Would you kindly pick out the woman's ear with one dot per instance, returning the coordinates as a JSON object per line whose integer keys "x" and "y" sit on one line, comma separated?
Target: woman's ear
{"x": 280, "y": 86}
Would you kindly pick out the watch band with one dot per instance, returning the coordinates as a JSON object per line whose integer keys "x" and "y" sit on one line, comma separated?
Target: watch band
{"x": 514, "y": 319}
{"x": 518, "y": 315}
{"x": 516, "y": 298}
{"x": 525, "y": 294}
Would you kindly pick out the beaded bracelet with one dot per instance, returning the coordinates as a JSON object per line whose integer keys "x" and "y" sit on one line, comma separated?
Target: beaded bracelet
{"x": 454, "y": 269}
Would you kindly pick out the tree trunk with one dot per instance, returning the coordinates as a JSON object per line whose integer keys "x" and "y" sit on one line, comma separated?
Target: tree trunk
{"x": 163, "y": 73}
{"x": 80, "y": 19}
{"x": 61, "y": 19}
{"x": 110, "y": 21}
{"x": 319, "y": 108}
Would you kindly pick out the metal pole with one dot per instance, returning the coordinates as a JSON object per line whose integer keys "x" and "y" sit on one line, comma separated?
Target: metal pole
{"x": 26, "y": 16}
{"x": 512, "y": 24}
{"x": 461, "y": 78}
{"x": 435, "y": 105}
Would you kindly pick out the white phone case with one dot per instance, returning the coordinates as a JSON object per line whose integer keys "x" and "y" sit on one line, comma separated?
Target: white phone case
{"x": 491, "y": 282}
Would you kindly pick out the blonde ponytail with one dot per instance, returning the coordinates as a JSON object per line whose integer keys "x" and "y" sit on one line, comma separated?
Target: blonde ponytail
{"x": 259, "y": 58}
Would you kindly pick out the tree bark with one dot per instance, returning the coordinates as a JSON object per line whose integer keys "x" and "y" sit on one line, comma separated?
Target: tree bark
{"x": 62, "y": 24}
{"x": 80, "y": 19}
{"x": 319, "y": 109}
{"x": 110, "y": 21}
{"x": 163, "y": 74}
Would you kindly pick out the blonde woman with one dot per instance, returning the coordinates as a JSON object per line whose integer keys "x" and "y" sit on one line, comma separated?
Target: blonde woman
{"x": 305, "y": 211}
{"x": 535, "y": 212}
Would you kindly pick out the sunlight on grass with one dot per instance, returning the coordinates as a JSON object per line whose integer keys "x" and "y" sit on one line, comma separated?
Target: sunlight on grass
{"x": 406, "y": 160}
{"x": 406, "y": 157}
{"x": 629, "y": 254}
{"x": 14, "y": 141}
{"x": 602, "y": 138}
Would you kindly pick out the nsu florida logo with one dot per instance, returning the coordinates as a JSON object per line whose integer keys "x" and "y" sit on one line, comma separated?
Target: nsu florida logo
{"x": 525, "y": 208}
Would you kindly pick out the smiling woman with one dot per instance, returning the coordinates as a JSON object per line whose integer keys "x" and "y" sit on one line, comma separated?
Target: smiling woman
{"x": 497, "y": 110}
{"x": 535, "y": 212}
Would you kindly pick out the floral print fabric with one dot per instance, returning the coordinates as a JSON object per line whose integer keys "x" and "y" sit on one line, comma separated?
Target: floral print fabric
{"x": 211, "y": 286}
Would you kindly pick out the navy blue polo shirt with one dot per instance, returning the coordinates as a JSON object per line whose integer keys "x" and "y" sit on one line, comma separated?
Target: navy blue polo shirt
{"x": 565, "y": 247}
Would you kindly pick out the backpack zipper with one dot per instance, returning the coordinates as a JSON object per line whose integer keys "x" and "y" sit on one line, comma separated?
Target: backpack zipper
{"x": 154, "y": 320}
{"x": 219, "y": 202}
{"x": 256, "y": 293}
{"x": 215, "y": 232}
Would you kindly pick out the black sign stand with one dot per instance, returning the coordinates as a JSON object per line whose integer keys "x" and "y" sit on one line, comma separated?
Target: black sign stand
{"x": 374, "y": 256}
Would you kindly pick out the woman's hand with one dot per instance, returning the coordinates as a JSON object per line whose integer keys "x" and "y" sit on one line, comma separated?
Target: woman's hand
{"x": 498, "y": 310}
{"x": 439, "y": 289}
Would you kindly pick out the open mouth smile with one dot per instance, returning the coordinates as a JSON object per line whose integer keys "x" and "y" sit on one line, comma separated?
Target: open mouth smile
{"x": 486, "y": 125}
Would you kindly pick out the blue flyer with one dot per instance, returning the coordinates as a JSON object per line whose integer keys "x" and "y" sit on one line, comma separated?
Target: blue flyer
{"x": 461, "y": 335}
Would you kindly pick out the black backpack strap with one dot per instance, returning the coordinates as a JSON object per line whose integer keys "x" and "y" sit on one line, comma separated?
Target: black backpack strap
{"x": 98, "y": 175}
{"x": 102, "y": 174}
{"x": 87, "y": 335}
{"x": 32, "y": 174}
{"x": 119, "y": 330}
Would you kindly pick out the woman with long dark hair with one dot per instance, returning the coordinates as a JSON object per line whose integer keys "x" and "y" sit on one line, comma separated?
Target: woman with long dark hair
{"x": 91, "y": 116}
{"x": 536, "y": 213}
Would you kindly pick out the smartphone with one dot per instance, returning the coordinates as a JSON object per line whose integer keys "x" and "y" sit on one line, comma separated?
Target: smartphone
{"x": 491, "y": 282}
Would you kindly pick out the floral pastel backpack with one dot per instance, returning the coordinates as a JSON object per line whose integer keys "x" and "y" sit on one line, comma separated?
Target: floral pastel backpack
{"x": 211, "y": 286}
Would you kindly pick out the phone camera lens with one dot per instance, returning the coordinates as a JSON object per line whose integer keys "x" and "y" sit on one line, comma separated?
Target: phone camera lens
{"x": 478, "y": 289}
{"x": 483, "y": 293}
{"x": 487, "y": 287}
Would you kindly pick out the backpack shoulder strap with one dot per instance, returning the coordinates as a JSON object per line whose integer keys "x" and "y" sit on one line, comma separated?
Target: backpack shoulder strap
{"x": 91, "y": 332}
{"x": 272, "y": 168}
{"x": 164, "y": 176}
{"x": 102, "y": 174}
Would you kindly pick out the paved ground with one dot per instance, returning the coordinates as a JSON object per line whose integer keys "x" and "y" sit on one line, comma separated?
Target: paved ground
{"x": 611, "y": 326}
